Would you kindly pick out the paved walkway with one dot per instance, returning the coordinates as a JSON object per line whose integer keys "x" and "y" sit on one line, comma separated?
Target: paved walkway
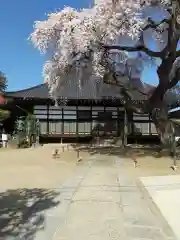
{"x": 165, "y": 192}
{"x": 102, "y": 202}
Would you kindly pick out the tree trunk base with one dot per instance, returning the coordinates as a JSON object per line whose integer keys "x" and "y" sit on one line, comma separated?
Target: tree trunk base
{"x": 164, "y": 152}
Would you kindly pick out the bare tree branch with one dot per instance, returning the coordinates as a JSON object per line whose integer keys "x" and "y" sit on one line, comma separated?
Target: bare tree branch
{"x": 141, "y": 47}
{"x": 175, "y": 80}
{"x": 138, "y": 48}
{"x": 3, "y": 82}
{"x": 118, "y": 84}
{"x": 172, "y": 38}
{"x": 177, "y": 53}
{"x": 154, "y": 25}
{"x": 167, "y": 62}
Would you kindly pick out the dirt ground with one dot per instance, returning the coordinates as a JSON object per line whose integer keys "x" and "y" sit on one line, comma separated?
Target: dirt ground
{"x": 30, "y": 178}
{"x": 151, "y": 166}
{"x": 35, "y": 168}
{"x": 149, "y": 161}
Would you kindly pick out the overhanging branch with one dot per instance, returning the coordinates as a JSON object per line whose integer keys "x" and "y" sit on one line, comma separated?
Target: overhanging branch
{"x": 177, "y": 53}
{"x": 138, "y": 48}
{"x": 141, "y": 47}
{"x": 175, "y": 80}
{"x": 118, "y": 84}
{"x": 154, "y": 25}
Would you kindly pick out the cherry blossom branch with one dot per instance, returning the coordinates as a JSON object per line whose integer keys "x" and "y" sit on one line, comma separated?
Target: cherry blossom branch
{"x": 141, "y": 47}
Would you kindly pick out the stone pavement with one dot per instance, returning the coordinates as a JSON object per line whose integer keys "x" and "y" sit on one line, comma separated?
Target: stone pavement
{"x": 165, "y": 192}
{"x": 102, "y": 201}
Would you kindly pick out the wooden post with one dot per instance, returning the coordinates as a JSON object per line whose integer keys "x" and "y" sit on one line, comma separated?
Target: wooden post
{"x": 47, "y": 126}
{"x": 78, "y": 153}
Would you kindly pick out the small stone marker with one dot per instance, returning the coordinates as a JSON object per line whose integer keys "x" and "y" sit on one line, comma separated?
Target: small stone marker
{"x": 174, "y": 167}
{"x": 135, "y": 163}
{"x": 79, "y": 159}
{"x": 55, "y": 153}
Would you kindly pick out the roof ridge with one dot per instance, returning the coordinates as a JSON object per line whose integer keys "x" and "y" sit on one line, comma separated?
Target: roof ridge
{"x": 26, "y": 89}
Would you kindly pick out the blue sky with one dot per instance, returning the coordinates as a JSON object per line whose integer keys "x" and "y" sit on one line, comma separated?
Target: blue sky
{"x": 21, "y": 63}
{"x": 18, "y": 59}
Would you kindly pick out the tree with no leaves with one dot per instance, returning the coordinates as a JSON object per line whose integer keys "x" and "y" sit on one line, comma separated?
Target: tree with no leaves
{"x": 89, "y": 42}
{"x": 3, "y": 82}
{"x": 3, "y": 85}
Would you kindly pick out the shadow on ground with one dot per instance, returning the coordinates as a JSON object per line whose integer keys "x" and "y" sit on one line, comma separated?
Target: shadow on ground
{"x": 21, "y": 212}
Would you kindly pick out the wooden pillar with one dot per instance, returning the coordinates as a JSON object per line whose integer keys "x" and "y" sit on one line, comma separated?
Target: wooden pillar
{"x": 62, "y": 126}
{"x": 132, "y": 123}
{"x": 47, "y": 130}
{"x": 125, "y": 132}
{"x": 77, "y": 123}
{"x": 119, "y": 123}
{"x": 91, "y": 127}
{"x": 149, "y": 124}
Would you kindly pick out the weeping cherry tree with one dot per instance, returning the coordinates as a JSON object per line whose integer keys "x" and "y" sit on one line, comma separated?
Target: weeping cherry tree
{"x": 88, "y": 42}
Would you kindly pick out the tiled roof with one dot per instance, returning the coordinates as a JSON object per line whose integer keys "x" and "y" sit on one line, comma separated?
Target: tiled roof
{"x": 38, "y": 91}
{"x": 72, "y": 91}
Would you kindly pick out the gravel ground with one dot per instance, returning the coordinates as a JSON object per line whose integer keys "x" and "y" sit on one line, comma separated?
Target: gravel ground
{"x": 35, "y": 168}
{"x": 30, "y": 181}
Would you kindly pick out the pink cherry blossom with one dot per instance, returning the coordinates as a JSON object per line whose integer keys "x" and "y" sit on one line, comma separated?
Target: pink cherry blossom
{"x": 70, "y": 34}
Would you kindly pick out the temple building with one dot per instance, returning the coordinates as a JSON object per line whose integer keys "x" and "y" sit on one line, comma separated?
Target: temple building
{"x": 82, "y": 116}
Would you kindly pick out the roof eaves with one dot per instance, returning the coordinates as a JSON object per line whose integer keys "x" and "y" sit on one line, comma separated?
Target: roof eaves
{"x": 24, "y": 90}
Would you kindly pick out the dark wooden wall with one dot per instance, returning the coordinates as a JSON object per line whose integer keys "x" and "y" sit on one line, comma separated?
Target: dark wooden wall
{"x": 108, "y": 120}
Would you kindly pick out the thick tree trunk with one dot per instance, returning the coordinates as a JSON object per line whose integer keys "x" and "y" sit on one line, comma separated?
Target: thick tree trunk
{"x": 159, "y": 114}
{"x": 156, "y": 106}
{"x": 166, "y": 132}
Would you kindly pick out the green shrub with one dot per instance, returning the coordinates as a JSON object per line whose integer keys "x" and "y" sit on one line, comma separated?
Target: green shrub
{"x": 4, "y": 114}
